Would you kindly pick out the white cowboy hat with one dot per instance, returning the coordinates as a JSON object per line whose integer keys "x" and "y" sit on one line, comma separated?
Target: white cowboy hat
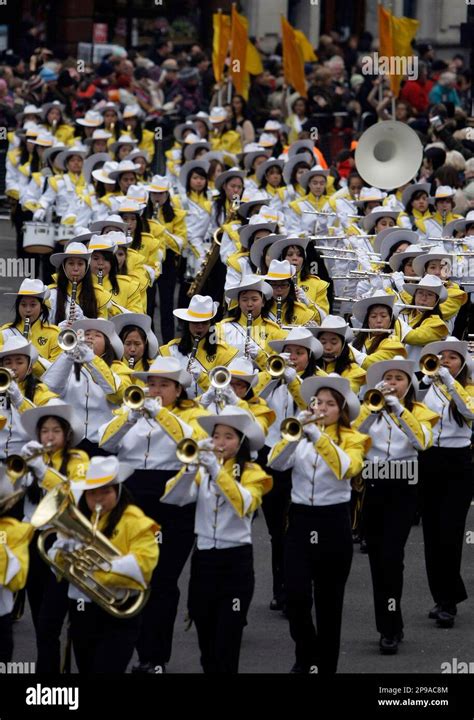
{"x": 311, "y": 385}
{"x": 182, "y": 128}
{"x": 50, "y": 151}
{"x": 189, "y": 167}
{"x": 74, "y": 249}
{"x": 239, "y": 419}
{"x": 361, "y": 307}
{"x": 272, "y": 126}
{"x": 280, "y": 270}
{"x": 443, "y": 192}
{"x": 452, "y": 344}
{"x": 46, "y": 107}
{"x": 259, "y": 246}
{"x": 243, "y": 369}
{"x": 102, "y": 243}
{"x": 104, "y": 471}
{"x": 334, "y": 324}
{"x": 457, "y": 225}
{"x": 377, "y": 370}
{"x": 133, "y": 110}
{"x": 55, "y": 408}
{"x": 126, "y": 205}
{"x": 370, "y": 194}
{"x": 103, "y": 175}
{"x": 92, "y": 118}
{"x": 291, "y": 163}
{"x": 271, "y": 162}
{"x": 15, "y": 345}
{"x": 428, "y": 282}
{"x": 202, "y": 308}
{"x": 315, "y": 170}
{"x": 139, "y": 193}
{"x": 91, "y": 163}
{"x": 106, "y": 327}
{"x": 394, "y": 239}
{"x": 399, "y": 234}
{"x": 227, "y": 175}
{"x": 118, "y": 238}
{"x": 256, "y": 223}
{"x": 267, "y": 140}
{"x": 107, "y": 106}
{"x": 44, "y": 139}
{"x": 68, "y": 153}
{"x": 123, "y": 140}
{"x": 409, "y": 191}
{"x": 159, "y": 183}
{"x": 32, "y": 288}
{"x": 124, "y": 166}
{"x": 299, "y": 336}
{"x": 137, "y": 153}
{"x": 397, "y": 259}
{"x": 296, "y": 147}
{"x": 169, "y": 368}
{"x": 218, "y": 115}
{"x": 192, "y": 148}
{"x": 142, "y": 321}
{"x": 250, "y": 282}
{"x": 252, "y": 151}
{"x": 277, "y": 247}
{"x": 110, "y": 221}
{"x": 99, "y": 134}
{"x": 368, "y": 222}
{"x": 436, "y": 252}
{"x": 249, "y": 199}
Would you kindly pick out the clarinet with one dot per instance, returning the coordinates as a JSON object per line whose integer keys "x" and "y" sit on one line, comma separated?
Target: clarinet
{"x": 131, "y": 362}
{"x": 72, "y": 306}
{"x": 100, "y": 277}
{"x": 248, "y": 334}
{"x": 279, "y": 304}
{"x": 26, "y": 328}
{"x": 443, "y": 217}
{"x": 193, "y": 352}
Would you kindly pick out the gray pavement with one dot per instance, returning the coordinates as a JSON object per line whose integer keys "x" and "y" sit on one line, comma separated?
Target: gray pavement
{"x": 267, "y": 646}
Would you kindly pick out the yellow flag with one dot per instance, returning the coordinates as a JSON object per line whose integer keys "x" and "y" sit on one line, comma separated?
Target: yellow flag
{"x": 238, "y": 52}
{"x": 253, "y": 63}
{"x": 308, "y": 51}
{"x": 395, "y": 37}
{"x": 220, "y": 43}
{"x": 293, "y": 63}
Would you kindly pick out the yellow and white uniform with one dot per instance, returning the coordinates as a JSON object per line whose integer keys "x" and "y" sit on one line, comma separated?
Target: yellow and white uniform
{"x": 13, "y": 436}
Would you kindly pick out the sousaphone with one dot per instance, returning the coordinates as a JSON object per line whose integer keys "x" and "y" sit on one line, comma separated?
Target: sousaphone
{"x": 388, "y": 155}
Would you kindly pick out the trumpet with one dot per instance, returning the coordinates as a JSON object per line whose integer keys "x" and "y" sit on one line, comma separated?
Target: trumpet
{"x": 6, "y": 379}
{"x": 220, "y": 378}
{"x": 291, "y": 428}
{"x": 17, "y": 465}
{"x": 375, "y": 400}
{"x": 275, "y": 366}
{"x": 80, "y": 565}
{"x": 430, "y": 364}
{"x": 68, "y": 340}
{"x": 187, "y": 452}
{"x": 26, "y": 327}
{"x": 134, "y": 397}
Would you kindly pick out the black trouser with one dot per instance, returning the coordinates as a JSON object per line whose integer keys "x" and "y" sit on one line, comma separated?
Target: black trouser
{"x": 91, "y": 448}
{"x": 38, "y": 578}
{"x": 53, "y": 611}
{"x": 446, "y": 496}
{"x": 101, "y": 643}
{"x": 166, "y": 288}
{"x": 220, "y": 591}
{"x": 214, "y": 286}
{"x": 389, "y": 508}
{"x": 177, "y": 540}
{"x": 318, "y": 556}
{"x": 6, "y": 638}
{"x": 275, "y": 506}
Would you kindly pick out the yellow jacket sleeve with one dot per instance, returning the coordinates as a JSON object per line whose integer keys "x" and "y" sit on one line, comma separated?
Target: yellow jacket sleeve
{"x": 354, "y": 444}
{"x": 245, "y": 496}
{"x": 387, "y": 350}
{"x": 454, "y": 302}
{"x": 14, "y": 555}
{"x": 430, "y": 330}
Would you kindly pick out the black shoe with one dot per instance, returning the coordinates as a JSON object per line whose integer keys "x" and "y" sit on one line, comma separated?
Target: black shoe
{"x": 298, "y": 669}
{"x": 434, "y": 612}
{"x": 363, "y": 547}
{"x": 148, "y": 668}
{"x": 446, "y": 616}
{"x": 389, "y": 644}
{"x": 355, "y": 538}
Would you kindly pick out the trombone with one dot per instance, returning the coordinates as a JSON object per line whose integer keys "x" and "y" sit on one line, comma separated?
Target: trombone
{"x": 188, "y": 451}
{"x": 17, "y": 465}
{"x": 291, "y": 428}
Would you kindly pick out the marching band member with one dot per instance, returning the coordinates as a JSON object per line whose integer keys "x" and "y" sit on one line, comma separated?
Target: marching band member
{"x": 200, "y": 348}
{"x": 194, "y": 200}
{"x": 293, "y": 170}
{"x": 377, "y": 313}
{"x": 446, "y": 473}
{"x": 222, "y": 138}
{"x": 251, "y": 158}
{"x": 334, "y": 335}
{"x": 270, "y": 178}
{"x": 426, "y": 325}
{"x": 415, "y": 199}
{"x": 248, "y": 327}
{"x": 239, "y": 264}
{"x": 315, "y": 202}
{"x": 318, "y": 545}
{"x": 14, "y": 561}
{"x": 87, "y": 125}
{"x": 124, "y": 291}
{"x": 222, "y": 562}
{"x": 23, "y": 393}
{"x": 112, "y": 117}
{"x": 310, "y": 289}
{"x": 140, "y": 345}
{"x": 387, "y": 243}
{"x": 148, "y": 437}
{"x": 68, "y": 193}
{"x": 400, "y": 429}
{"x": 131, "y": 264}
{"x": 57, "y": 431}
{"x": 103, "y": 643}
{"x": 73, "y": 295}
{"x": 299, "y": 350}
{"x": 121, "y": 148}
{"x": 54, "y": 122}
{"x": 285, "y": 307}
{"x": 83, "y": 377}
{"x": 259, "y": 256}
{"x": 132, "y": 118}
{"x": 31, "y": 321}
{"x": 230, "y": 185}
{"x": 444, "y": 203}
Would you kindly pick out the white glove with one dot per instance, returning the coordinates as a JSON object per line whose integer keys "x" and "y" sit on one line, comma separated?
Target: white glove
{"x": 289, "y": 374}
{"x": 252, "y": 349}
{"x": 394, "y": 404}
{"x": 230, "y": 396}
{"x": 15, "y": 394}
{"x": 382, "y": 385}
{"x": 206, "y": 444}
{"x": 363, "y": 259}
{"x": 210, "y": 462}
{"x": 427, "y": 379}
{"x": 133, "y": 415}
{"x": 446, "y": 377}
{"x": 82, "y": 353}
{"x": 399, "y": 280}
{"x": 208, "y": 397}
{"x": 39, "y": 215}
{"x": 153, "y": 406}
{"x": 301, "y": 295}
{"x": 195, "y": 371}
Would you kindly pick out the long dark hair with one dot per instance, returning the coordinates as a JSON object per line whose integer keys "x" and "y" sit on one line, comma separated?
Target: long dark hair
{"x": 264, "y": 183}
{"x": 88, "y": 298}
{"x": 220, "y": 203}
{"x": 235, "y": 312}
{"x": 199, "y": 171}
{"x": 43, "y": 316}
{"x": 33, "y": 492}
{"x": 288, "y": 305}
{"x": 409, "y": 207}
{"x": 142, "y": 226}
{"x": 429, "y": 312}
{"x": 461, "y": 378}
{"x": 343, "y": 362}
{"x": 185, "y": 345}
{"x": 125, "y": 332}
{"x": 168, "y": 210}
{"x": 358, "y": 343}
{"x": 110, "y": 257}
{"x": 302, "y": 163}
{"x": 124, "y": 500}
{"x": 109, "y": 353}
{"x": 35, "y": 162}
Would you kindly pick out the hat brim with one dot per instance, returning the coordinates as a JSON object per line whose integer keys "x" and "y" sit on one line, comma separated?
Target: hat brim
{"x": 369, "y": 221}
{"x": 360, "y": 308}
{"x": 377, "y": 370}
{"x": 421, "y": 260}
{"x": 125, "y": 471}
{"x": 310, "y": 386}
{"x": 108, "y": 330}
{"x": 246, "y": 232}
{"x": 246, "y": 425}
{"x": 57, "y": 259}
{"x": 140, "y": 320}
{"x": 259, "y": 286}
{"x": 458, "y": 346}
{"x": 258, "y": 247}
{"x": 411, "y": 289}
{"x": 180, "y": 376}
{"x": 30, "y": 419}
{"x": 183, "y": 314}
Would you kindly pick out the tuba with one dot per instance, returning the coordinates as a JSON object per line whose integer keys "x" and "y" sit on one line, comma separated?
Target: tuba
{"x": 388, "y": 154}
{"x": 58, "y": 510}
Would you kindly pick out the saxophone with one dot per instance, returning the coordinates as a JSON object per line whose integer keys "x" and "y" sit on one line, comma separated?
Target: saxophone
{"x": 208, "y": 263}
